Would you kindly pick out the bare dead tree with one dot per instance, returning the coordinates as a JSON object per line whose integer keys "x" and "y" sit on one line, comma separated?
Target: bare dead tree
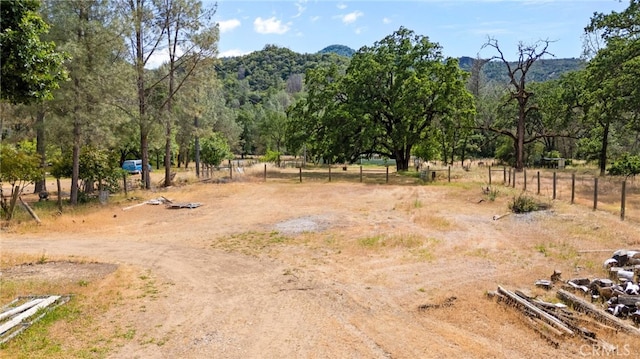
{"x": 517, "y": 72}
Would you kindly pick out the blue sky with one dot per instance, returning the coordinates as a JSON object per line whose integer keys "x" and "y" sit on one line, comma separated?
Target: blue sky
{"x": 461, "y": 27}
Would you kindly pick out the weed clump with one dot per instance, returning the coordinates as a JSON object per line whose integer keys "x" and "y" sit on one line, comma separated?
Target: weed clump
{"x": 523, "y": 204}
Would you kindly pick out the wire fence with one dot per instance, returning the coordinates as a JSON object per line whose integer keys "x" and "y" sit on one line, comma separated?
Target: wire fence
{"x": 616, "y": 195}
{"x": 611, "y": 193}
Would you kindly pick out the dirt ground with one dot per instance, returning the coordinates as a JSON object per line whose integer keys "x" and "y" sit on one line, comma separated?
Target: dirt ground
{"x": 311, "y": 270}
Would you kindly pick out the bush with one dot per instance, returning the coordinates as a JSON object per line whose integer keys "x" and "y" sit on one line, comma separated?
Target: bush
{"x": 627, "y": 166}
{"x": 523, "y": 204}
{"x": 271, "y": 156}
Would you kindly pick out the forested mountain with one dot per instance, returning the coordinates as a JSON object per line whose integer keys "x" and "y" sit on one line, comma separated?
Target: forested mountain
{"x": 279, "y": 68}
{"x": 273, "y": 66}
{"x": 542, "y": 70}
{"x": 338, "y": 50}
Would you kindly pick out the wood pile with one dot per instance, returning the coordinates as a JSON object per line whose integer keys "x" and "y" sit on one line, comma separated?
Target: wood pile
{"x": 22, "y": 312}
{"x": 585, "y": 306}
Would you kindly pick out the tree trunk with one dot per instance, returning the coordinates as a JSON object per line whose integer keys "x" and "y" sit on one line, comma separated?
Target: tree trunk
{"x": 604, "y": 148}
{"x": 402, "y": 158}
{"x": 75, "y": 168}
{"x": 41, "y": 185}
{"x": 197, "y": 148}
{"x": 144, "y": 146}
{"x": 520, "y": 138}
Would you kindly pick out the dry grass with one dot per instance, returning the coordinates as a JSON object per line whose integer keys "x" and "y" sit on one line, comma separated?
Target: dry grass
{"x": 383, "y": 252}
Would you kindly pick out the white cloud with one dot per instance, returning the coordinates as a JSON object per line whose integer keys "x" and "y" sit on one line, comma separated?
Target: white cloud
{"x": 386, "y": 20}
{"x": 228, "y": 25}
{"x": 232, "y": 52}
{"x": 300, "y": 6}
{"x": 350, "y": 17}
{"x": 270, "y": 26}
{"x": 314, "y": 18}
{"x": 161, "y": 57}
{"x": 341, "y": 6}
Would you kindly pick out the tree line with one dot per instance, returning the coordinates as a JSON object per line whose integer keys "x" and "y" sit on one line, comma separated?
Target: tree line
{"x": 80, "y": 95}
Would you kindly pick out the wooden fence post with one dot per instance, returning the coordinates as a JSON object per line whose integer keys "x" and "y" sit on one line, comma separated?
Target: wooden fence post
{"x": 360, "y": 174}
{"x": 555, "y": 184}
{"x": 573, "y": 188}
{"x": 623, "y": 200}
{"x": 504, "y": 175}
{"x": 300, "y": 171}
{"x": 387, "y": 174}
{"x": 524, "y": 173}
{"x": 230, "y": 169}
{"x": 449, "y": 173}
{"x": 595, "y": 193}
{"x": 514, "y": 177}
{"x": 538, "y": 182}
{"x": 265, "y": 172}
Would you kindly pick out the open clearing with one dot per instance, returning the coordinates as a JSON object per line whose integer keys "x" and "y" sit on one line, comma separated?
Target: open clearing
{"x": 314, "y": 269}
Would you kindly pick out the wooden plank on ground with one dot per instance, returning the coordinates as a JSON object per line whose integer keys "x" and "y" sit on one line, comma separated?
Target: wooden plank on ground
{"x": 595, "y": 312}
{"x": 26, "y": 314}
{"x": 20, "y": 308}
{"x": 549, "y": 319}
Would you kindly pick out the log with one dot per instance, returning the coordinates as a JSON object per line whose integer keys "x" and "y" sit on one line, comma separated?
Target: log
{"x": 549, "y": 319}
{"x": 31, "y": 212}
{"x": 595, "y": 312}
{"x": 630, "y": 300}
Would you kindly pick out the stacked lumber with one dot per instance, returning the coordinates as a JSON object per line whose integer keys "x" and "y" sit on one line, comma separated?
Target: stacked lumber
{"x": 18, "y": 315}
{"x": 610, "y": 304}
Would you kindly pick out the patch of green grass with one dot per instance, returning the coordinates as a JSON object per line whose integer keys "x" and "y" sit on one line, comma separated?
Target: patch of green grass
{"x": 43, "y": 258}
{"x": 541, "y": 248}
{"x": 250, "y": 243}
{"x": 492, "y": 194}
{"x": 417, "y": 203}
{"x": 370, "y": 241}
{"x": 560, "y": 250}
{"x": 479, "y": 252}
{"x": 424, "y": 254}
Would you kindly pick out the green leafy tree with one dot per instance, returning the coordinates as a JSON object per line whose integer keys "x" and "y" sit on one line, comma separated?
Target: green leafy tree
{"x": 88, "y": 31}
{"x": 391, "y": 94}
{"x": 215, "y": 149}
{"x": 613, "y": 75}
{"x": 18, "y": 168}
{"x": 628, "y": 166}
{"x": 30, "y": 68}
{"x": 184, "y": 28}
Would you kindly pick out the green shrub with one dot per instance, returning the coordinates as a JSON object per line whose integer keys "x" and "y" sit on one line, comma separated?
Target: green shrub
{"x": 523, "y": 204}
{"x": 627, "y": 166}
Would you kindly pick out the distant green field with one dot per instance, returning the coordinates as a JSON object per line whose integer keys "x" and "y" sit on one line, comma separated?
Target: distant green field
{"x": 376, "y": 162}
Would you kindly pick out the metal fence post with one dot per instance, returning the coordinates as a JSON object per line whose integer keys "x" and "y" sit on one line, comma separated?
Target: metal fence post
{"x": 573, "y": 188}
